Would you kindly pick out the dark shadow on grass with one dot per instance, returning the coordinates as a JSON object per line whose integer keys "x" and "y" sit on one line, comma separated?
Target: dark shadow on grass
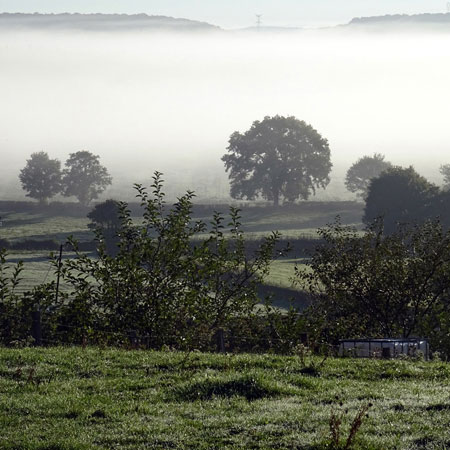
{"x": 248, "y": 387}
{"x": 284, "y": 297}
{"x": 439, "y": 407}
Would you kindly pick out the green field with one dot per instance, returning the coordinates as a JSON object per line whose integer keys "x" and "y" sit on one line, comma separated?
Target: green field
{"x": 282, "y": 272}
{"x": 70, "y": 398}
{"x": 94, "y": 398}
{"x": 293, "y": 221}
{"x": 21, "y": 226}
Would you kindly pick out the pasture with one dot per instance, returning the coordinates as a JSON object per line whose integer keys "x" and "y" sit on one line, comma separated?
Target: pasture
{"x": 23, "y": 221}
{"x": 94, "y": 398}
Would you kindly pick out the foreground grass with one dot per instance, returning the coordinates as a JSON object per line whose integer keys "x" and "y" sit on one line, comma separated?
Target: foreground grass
{"x": 70, "y": 398}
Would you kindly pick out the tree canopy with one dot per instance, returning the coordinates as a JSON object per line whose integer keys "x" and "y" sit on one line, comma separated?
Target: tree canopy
{"x": 277, "y": 158}
{"x": 400, "y": 195}
{"x": 105, "y": 215}
{"x": 362, "y": 171}
{"x": 84, "y": 177}
{"x": 41, "y": 177}
{"x": 379, "y": 285}
{"x": 445, "y": 172}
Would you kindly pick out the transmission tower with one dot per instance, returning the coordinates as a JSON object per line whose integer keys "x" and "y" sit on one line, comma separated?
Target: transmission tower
{"x": 259, "y": 22}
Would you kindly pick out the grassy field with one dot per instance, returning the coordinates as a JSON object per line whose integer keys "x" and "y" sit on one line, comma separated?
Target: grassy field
{"x": 37, "y": 268}
{"x": 293, "y": 221}
{"x": 21, "y": 226}
{"x": 70, "y": 398}
{"x": 282, "y": 272}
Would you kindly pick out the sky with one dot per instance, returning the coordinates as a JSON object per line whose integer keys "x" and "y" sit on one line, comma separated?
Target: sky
{"x": 237, "y": 13}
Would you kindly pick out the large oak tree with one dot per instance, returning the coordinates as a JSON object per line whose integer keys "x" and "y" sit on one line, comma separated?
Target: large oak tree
{"x": 277, "y": 158}
{"x": 84, "y": 177}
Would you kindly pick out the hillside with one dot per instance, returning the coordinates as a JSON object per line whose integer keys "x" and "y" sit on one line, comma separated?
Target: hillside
{"x": 101, "y": 22}
{"x": 398, "y": 22}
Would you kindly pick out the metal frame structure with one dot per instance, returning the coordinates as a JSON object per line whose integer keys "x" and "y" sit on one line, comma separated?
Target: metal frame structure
{"x": 384, "y": 348}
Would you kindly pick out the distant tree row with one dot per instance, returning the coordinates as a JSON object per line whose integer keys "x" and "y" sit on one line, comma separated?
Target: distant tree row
{"x": 283, "y": 159}
{"x": 83, "y": 177}
{"x": 368, "y": 168}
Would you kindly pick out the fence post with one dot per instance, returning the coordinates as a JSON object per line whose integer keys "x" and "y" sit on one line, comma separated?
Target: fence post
{"x": 58, "y": 273}
{"x": 36, "y": 330}
{"x": 220, "y": 339}
{"x": 132, "y": 336}
{"x": 304, "y": 339}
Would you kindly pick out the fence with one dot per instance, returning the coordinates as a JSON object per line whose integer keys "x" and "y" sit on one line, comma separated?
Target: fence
{"x": 38, "y": 330}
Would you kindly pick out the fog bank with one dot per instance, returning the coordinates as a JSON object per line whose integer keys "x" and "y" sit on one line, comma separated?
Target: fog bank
{"x": 146, "y": 102}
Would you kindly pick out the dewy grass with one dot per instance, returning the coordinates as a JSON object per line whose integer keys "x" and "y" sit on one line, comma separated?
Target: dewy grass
{"x": 104, "y": 398}
{"x": 246, "y": 386}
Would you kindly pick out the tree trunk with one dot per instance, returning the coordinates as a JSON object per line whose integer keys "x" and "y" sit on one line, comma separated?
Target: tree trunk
{"x": 276, "y": 197}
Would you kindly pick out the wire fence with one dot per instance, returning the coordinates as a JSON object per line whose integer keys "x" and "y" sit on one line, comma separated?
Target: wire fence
{"x": 38, "y": 328}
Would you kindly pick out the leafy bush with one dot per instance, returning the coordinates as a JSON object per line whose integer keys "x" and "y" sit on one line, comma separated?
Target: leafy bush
{"x": 159, "y": 285}
{"x": 379, "y": 285}
{"x": 16, "y": 307}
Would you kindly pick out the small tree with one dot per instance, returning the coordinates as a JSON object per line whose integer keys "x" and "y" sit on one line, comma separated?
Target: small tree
{"x": 163, "y": 283}
{"x": 279, "y": 157}
{"x": 41, "y": 177}
{"x": 400, "y": 195}
{"x": 379, "y": 285}
{"x": 363, "y": 171}
{"x": 84, "y": 177}
{"x": 105, "y": 215}
{"x": 105, "y": 218}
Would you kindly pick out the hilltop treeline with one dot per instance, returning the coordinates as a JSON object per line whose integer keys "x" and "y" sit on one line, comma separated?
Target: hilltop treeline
{"x": 102, "y": 22}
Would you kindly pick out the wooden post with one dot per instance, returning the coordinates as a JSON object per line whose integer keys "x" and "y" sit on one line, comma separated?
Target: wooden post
{"x": 58, "y": 273}
{"x": 132, "y": 336}
{"x": 36, "y": 330}
{"x": 304, "y": 339}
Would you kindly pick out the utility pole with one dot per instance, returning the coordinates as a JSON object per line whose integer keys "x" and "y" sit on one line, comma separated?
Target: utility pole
{"x": 258, "y": 22}
{"x": 448, "y": 7}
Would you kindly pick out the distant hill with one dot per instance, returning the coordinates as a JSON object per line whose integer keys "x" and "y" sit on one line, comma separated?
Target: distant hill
{"x": 101, "y": 22}
{"x": 144, "y": 22}
{"x": 437, "y": 22}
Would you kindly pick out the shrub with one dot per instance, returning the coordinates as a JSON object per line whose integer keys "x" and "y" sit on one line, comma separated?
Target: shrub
{"x": 379, "y": 285}
{"x": 161, "y": 286}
